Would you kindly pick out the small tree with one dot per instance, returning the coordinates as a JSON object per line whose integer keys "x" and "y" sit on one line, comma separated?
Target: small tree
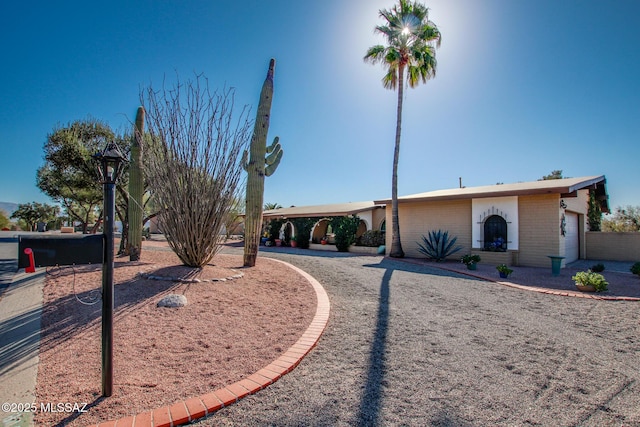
{"x": 556, "y": 174}
{"x": 623, "y": 220}
{"x": 194, "y": 164}
{"x": 594, "y": 213}
{"x": 4, "y": 221}
{"x": 69, "y": 174}
{"x": 34, "y": 212}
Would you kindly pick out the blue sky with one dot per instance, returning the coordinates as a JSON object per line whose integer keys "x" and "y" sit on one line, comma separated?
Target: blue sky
{"x": 522, "y": 88}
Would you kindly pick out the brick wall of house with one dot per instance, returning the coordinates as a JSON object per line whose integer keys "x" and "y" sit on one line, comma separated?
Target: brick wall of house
{"x": 417, "y": 219}
{"x": 539, "y": 217}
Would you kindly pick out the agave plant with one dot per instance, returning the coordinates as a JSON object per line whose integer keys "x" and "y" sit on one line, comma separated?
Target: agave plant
{"x": 438, "y": 246}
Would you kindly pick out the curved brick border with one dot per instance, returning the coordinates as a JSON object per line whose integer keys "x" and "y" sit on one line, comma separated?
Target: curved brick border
{"x": 538, "y": 289}
{"x": 197, "y": 407}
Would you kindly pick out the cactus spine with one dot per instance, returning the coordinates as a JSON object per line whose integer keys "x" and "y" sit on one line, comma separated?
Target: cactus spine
{"x": 259, "y": 162}
{"x": 136, "y": 189}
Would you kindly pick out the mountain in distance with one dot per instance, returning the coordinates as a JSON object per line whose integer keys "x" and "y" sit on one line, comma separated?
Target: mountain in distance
{"x": 8, "y": 207}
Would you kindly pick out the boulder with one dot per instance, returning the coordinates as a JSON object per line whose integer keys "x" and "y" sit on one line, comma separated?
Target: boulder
{"x": 173, "y": 300}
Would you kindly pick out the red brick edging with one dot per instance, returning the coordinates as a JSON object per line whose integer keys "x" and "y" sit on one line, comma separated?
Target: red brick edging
{"x": 190, "y": 410}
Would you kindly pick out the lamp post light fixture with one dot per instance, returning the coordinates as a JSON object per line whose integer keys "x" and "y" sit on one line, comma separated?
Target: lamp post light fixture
{"x": 111, "y": 161}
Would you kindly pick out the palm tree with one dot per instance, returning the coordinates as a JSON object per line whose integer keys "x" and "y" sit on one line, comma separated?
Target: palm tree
{"x": 270, "y": 206}
{"x": 411, "y": 43}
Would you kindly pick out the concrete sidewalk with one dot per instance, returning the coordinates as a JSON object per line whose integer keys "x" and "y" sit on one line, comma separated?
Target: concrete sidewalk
{"x": 20, "y": 319}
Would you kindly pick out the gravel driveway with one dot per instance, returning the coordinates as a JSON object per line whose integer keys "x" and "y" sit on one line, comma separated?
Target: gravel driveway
{"x": 413, "y": 345}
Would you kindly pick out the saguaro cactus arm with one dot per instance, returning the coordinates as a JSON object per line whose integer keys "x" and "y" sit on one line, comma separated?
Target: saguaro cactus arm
{"x": 273, "y": 160}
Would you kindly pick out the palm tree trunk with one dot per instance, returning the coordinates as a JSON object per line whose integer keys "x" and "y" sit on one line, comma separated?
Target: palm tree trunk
{"x": 396, "y": 246}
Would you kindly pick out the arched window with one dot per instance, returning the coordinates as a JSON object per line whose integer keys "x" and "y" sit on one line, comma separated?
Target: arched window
{"x": 495, "y": 233}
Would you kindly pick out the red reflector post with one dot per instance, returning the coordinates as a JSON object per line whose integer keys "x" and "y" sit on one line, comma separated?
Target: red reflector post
{"x": 32, "y": 262}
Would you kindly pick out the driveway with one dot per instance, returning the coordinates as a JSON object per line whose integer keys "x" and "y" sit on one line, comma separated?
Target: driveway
{"x": 413, "y": 345}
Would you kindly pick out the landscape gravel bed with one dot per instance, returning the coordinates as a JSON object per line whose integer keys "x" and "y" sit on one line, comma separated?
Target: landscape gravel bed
{"x": 416, "y": 345}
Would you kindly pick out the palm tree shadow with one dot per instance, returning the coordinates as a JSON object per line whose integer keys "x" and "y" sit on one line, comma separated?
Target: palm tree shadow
{"x": 370, "y": 403}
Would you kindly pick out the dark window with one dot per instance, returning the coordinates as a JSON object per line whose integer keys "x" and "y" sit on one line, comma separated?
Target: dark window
{"x": 495, "y": 233}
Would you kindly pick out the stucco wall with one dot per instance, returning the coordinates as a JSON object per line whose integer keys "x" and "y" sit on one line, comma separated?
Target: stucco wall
{"x": 613, "y": 246}
{"x": 417, "y": 219}
{"x": 539, "y": 229}
{"x": 379, "y": 215}
{"x": 578, "y": 204}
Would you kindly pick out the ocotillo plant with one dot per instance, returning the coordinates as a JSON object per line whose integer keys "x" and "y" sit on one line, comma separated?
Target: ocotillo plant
{"x": 258, "y": 165}
{"x": 136, "y": 189}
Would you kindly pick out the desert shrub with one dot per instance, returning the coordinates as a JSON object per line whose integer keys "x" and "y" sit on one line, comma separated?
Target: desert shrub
{"x": 371, "y": 238}
{"x": 438, "y": 246}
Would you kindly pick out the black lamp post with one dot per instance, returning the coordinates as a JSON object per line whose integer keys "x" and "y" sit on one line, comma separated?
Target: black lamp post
{"x": 111, "y": 162}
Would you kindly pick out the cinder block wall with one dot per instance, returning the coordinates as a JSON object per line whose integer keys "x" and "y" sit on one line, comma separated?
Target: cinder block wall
{"x": 613, "y": 246}
{"x": 539, "y": 218}
{"x": 417, "y": 219}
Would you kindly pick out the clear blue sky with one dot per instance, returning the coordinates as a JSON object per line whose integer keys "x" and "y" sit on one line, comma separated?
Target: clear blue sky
{"x": 522, "y": 88}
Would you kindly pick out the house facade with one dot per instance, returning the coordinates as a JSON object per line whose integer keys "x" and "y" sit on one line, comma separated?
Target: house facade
{"x": 516, "y": 224}
{"x": 371, "y": 215}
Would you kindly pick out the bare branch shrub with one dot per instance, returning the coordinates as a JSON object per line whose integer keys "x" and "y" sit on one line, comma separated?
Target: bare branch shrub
{"x": 193, "y": 164}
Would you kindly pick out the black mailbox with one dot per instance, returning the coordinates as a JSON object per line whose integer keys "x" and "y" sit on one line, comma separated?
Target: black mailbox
{"x": 52, "y": 250}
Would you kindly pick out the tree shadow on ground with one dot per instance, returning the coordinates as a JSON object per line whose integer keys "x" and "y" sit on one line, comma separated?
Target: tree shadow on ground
{"x": 79, "y": 311}
{"x": 370, "y": 402}
{"x": 372, "y": 396}
{"x": 19, "y": 338}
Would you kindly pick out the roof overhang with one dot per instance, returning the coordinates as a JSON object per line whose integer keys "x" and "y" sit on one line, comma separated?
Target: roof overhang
{"x": 320, "y": 211}
{"x": 566, "y": 187}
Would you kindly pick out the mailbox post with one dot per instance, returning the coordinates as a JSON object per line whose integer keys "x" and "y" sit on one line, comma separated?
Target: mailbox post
{"x": 111, "y": 162}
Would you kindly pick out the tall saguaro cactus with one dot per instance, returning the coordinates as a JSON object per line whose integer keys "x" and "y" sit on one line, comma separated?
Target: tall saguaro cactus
{"x": 259, "y": 162}
{"x": 136, "y": 189}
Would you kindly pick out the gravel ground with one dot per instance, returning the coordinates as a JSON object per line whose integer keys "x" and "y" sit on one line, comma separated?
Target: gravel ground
{"x": 414, "y": 345}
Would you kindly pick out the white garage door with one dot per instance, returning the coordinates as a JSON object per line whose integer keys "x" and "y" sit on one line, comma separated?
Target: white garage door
{"x": 571, "y": 237}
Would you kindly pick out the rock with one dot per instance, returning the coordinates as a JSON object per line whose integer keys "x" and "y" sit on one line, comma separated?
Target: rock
{"x": 173, "y": 300}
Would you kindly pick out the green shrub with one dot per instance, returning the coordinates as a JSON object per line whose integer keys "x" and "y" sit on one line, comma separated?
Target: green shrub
{"x": 274, "y": 229}
{"x": 502, "y": 268}
{"x": 588, "y": 277}
{"x": 470, "y": 259}
{"x": 598, "y": 268}
{"x": 438, "y": 246}
{"x": 303, "y": 229}
{"x": 371, "y": 238}
{"x": 635, "y": 268}
{"x": 344, "y": 229}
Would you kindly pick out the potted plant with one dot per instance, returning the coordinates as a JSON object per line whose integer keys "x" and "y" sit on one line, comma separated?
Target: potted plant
{"x": 589, "y": 281}
{"x": 323, "y": 241}
{"x": 635, "y": 268}
{"x": 470, "y": 261}
{"x": 504, "y": 270}
{"x": 294, "y": 242}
